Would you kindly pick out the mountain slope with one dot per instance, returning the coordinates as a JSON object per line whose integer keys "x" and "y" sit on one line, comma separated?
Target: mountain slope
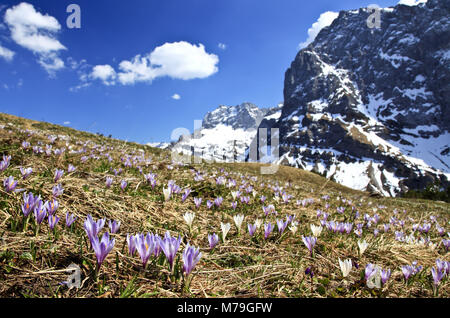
{"x": 34, "y": 258}
{"x": 369, "y": 107}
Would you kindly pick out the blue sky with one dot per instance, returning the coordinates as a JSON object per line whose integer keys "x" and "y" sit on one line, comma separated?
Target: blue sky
{"x": 240, "y": 50}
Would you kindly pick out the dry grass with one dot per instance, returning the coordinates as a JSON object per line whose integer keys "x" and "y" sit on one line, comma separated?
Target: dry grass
{"x": 30, "y": 265}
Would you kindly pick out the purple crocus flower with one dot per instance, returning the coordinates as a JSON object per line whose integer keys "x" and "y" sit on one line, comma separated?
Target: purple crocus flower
{"x": 29, "y": 202}
{"x": 123, "y": 185}
{"x": 442, "y": 266}
{"x": 109, "y": 182}
{"x": 170, "y": 246}
{"x": 245, "y": 200}
{"x": 145, "y": 247}
{"x": 25, "y": 144}
{"x": 150, "y": 178}
{"x": 407, "y": 271}
{"x": 57, "y": 190}
{"x": 209, "y": 204}
{"x": 268, "y": 227}
{"x": 437, "y": 275}
{"x": 114, "y": 226}
{"x": 40, "y": 212}
{"x": 25, "y": 172}
{"x": 234, "y": 205}
{"x": 282, "y": 225}
{"x": 58, "y": 175}
{"x": 213, "y": 239}
{"x": 156, "y": 239}
{"x": 185, "y": 194}
{"x": 4, "y": 164}
{"x": 52, "y": 206}
{"x": 446, "y": 244}
{"x": 348, "y": 227}
{"x": 251, "y": 229}
{"x": 309, "y": 242}
{"x": 92, "y": 228}
{"x": 71, "y": 168}
{"x": 10, "y": 184}
{"x": 309, "y": 272}
{"x": 102, "y": 248}
{"x": 191, "y": 256}
{"x": 385, "y": 275}
{"x": 197, "y": 202}
{"x": 218, "y": 201}
{"x": 440, "y": 230}
{"x": 70, "y": 218}
{"x": 416, "y": 268}
{"x": 52, "y": 221}
{"x": 131, "y": 242}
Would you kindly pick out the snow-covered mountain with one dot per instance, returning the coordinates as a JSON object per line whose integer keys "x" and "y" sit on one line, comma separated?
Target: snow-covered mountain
{"x": 162, "y": 145}
{"x": 369, "y": 107}
{"x": 225, "y": 133}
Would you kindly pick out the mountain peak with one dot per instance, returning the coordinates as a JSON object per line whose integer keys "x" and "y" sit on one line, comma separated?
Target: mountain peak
{"x": 366, "y": 100}
{"x": 244, "y": 116}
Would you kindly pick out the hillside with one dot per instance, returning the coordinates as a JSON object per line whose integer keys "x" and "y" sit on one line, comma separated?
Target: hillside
{"x": 32, "y": 257}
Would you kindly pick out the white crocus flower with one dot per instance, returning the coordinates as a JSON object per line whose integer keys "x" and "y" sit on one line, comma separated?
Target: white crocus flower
{"x": 189, "y": 218}
{"x": 225, "y": 228}
{"x": 362, "y": 246}
{"x": 258, "y": 223}
{"x": 167, "y": 193}
{"x": 346, "y": 266}
{"x": 234, "y": 194}
{"x": 293, "y": 227}
{"x": 238, "y": 219}
{"x": 316, "y": 230}
{"x": 254, "y": 193}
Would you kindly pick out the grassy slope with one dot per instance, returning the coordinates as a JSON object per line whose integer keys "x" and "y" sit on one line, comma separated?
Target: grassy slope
{"x": 240, "y": 267}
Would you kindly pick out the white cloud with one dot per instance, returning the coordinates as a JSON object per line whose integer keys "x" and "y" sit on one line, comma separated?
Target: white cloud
{"x": 51, "y": 62}
{"x": 412, "y": 2}
{"x": 222, "y": 46}
{"x": 74, "y": 65}
{"x": 324, "y": 20}
{"x": 105, "y": 73}
{"x": 179, "y": 60}
{"x": 136, "y": 70}
{"x": 183, "y": 60}
{"x": 37, "y": 33}
{"x": 78, "y": 87}
{"x": 66, "y": 123}
{"x": 176, "y": 96}
{"x": 7, "y": 54}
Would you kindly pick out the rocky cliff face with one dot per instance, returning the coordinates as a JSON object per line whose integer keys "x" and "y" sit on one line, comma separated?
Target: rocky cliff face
{"x": 370, "y": 107}
{"x": 225, "y": 133}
